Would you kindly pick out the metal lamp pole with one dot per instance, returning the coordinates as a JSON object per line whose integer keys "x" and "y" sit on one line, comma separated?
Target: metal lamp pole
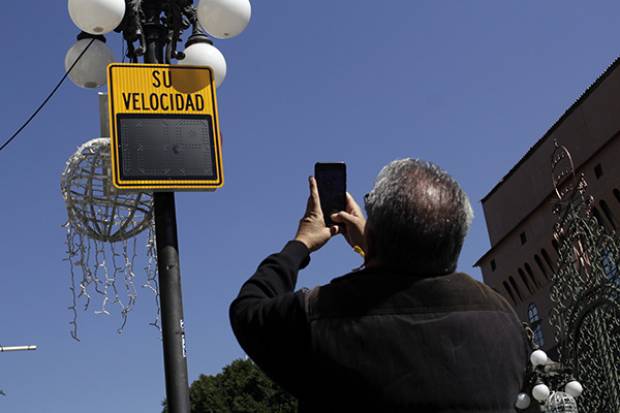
{"x": 175, "y": 360}
{"x": 171, "y": 303}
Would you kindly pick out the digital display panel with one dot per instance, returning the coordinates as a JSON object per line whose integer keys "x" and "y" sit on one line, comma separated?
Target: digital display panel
{"x": 166, "y": 147}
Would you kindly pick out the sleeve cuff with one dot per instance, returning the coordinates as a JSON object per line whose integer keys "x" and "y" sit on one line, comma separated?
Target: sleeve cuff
{"x": 298, "y": 252}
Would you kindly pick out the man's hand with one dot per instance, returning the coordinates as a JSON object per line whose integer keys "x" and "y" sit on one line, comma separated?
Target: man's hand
{"x": 312, "y": 230}
{"x": 354, "y": 223}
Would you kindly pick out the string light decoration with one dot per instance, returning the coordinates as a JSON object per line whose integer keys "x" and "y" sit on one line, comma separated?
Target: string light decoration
{"x": 101, "y": 232}
{"x": 585, "y": 293}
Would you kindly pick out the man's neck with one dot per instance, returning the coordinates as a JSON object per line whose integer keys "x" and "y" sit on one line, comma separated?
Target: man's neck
{"x": 371, "y": 262}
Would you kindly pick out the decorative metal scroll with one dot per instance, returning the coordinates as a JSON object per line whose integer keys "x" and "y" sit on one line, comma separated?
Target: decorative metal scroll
{"x": 585, "y": 291}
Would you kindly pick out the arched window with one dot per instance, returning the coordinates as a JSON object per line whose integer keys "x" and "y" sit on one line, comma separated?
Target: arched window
{"x": 540, "y": 265}
{"x": 599, "y": 218}
{"x": 529, "y": 271}
{"x": 535, "y": 324}
{"x": 547, "y": 259}
{"x": 617, "y": 194}
{"x": 509, "y": 291}
{"x": 513, "y": 284}
{"x": 525, "y": 281}
{"x": 608, "y": 214}
{"x": 609, "y": 266}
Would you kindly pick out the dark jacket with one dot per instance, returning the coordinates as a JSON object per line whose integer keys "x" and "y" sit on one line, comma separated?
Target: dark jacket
{"x": 381, "y": 341}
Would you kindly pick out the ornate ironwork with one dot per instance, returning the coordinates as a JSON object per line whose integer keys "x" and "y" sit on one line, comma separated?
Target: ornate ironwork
{"x": 585, "y": 291}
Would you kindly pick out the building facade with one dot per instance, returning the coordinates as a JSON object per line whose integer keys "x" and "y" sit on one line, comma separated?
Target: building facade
{"x": 518, "y": 210}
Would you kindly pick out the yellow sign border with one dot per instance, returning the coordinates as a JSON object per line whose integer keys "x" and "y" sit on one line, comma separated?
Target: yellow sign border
{"x": 164, "y": 185}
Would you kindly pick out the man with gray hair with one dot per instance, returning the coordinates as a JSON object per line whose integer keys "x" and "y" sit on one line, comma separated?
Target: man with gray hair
{"x": 405, "y": 333}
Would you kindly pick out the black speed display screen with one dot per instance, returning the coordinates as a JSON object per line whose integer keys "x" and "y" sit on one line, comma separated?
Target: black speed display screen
{"x": 165, "y": 147}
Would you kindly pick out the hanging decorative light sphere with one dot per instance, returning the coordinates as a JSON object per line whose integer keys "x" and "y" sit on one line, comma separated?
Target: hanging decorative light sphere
{"x": 90, "y": 71}
{"x": 199, "y": 51}
{"x": 95, "y": 208}
{"x": 224, "y": 19}
{"x": 560, "y": 402}
{"x": 96, "y": 16}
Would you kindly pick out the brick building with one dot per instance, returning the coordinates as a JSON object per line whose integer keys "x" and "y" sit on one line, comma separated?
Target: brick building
{"x": 518, "y": 210}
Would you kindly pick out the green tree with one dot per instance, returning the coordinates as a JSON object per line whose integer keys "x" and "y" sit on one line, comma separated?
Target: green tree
{"x": 241, "y": 387}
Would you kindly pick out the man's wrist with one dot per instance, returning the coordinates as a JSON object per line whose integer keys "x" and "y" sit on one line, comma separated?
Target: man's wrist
{"x": 304, "y": 241}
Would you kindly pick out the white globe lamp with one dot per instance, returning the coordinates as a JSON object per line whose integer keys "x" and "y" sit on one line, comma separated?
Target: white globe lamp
{"x": 540, "y": 392}
{"x": 97, "y": 16}
{"x": 199, "y": 51}
{"x": 224, "y": 18}
{"x": 90, "y": 71}
{"x": 538, "y": 358}
{"x": 574, "y": 388}
{"x": 523, "y": 401}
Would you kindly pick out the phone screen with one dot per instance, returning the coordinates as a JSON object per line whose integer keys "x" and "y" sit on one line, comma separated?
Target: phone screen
{"x": 331, "y": 180}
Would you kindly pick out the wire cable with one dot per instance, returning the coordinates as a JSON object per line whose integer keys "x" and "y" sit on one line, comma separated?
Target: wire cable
{"x": 4, "y": 145}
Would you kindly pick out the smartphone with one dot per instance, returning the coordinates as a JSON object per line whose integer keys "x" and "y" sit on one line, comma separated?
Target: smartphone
{"x": 331, "y": 179}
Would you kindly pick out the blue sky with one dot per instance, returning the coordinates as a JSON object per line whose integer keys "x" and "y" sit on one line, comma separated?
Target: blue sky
{"x": 470, "y": 85}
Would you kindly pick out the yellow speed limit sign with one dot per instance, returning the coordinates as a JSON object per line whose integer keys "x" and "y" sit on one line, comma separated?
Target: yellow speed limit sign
{"x": 164, "y": 127}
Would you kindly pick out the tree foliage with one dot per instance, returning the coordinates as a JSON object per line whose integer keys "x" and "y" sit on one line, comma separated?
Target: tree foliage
{"x": 241, "y": 387}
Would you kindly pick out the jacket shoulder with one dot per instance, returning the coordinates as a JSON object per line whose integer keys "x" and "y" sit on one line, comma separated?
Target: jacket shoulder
{"x": 377, "y": 292}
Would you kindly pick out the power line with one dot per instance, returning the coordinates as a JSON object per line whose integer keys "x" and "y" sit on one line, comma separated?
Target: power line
{"x": 47, "y": 98}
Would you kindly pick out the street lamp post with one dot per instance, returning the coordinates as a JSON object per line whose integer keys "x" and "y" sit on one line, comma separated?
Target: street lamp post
{"x": 168, "y": 265}
{"x": 17, "y": 348}
{"x": 156, "y": 25}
